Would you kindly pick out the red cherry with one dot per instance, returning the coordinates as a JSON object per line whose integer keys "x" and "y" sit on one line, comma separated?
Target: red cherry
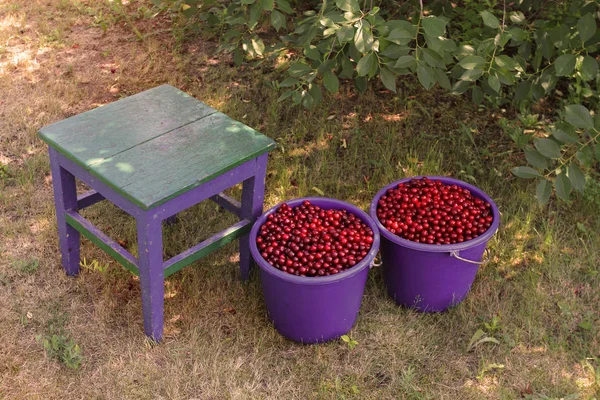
{"x": 430, "y": 212}
{"x": 308, "y": 241}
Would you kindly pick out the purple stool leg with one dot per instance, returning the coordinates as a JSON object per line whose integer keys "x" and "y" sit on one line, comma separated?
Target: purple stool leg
{"x": 152, "y": 277}
{"x": 65, "y": 198}
{"x": 253, "y": 195}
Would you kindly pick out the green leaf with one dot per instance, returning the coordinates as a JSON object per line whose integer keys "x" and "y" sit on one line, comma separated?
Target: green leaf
{"x": 296, "y": 97}
{"x": 501, "y": 39}
{"x": 545, "y": 44}
{"x": 388, "y": 79}
{"x": 363, "y": 39}
{"x": 579, "y": 116}
{"x": 299, "y": 69}
{"x": 308, "y": 101}
{"x": 248, "y": 1}
{"x": 331, "y": 81}
{"x": 523, "y": 89}
{"x": 312, "y": 53}
{"x": 348, "y": 5}
{"x": 254, "y": 14}
{"x": 517, "y": 17}
{"x": 471, "y": 62}
{"x": 504, "y": 61}
{"x": 585, "y": 155}
{"x": 494, "y": 83}
{"x": 347, "y": 68}
{"x": 460, "y": 87}
{"x": 432, "y": 58}
{"x": 400, "y": 36}
{"x": 284, "y": 6}
{"x": 536, "y": 158}
{"x": 586, "y": 27}
{"x": 537, "y": 91}
{"x": 289, "y": 82}
{"x": 361, "y": 84}
{"x": 597, "y": 151}
{"x": 543, "y": 191}
{"x": 394, "y": 51}
{"x": 471, "y": 75}
{"x": 405, "y": 62}
{"x": 442, "y": 78}
{"x": 365, "y": 64}
{"x": 562, "y": 186}
{"x": 576, "y": 177}
{"x": 315, "y": 92}
{"x": 547, "y": 147}
{"x": 345, "y": 34}
{"x": 329, "y": 31}
{"x": 285, "y": 95}
{"x": 490, "y": 20}
{"x": 476, "y": 95}
{"x": 267, "y": 5}
{"x": 425, "y": 75}
{"x": 564, "y": 137}
{"x": 238, "y": 56}
{"x": 434, "y": 26}
{"x": 525, "y": 172}
{"x": 506, "y": 77}
{"x": 258, "y": 45}
{"x": 518, "y": 35}
{"x": 589, "y": 68}
{"x": 277, "y": 20}
{"x": 565, "y": 64}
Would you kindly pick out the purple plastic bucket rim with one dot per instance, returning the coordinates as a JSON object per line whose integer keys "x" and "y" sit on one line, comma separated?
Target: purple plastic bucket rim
{"x": 438, "y": 248}
{"x": 321, "y": 280}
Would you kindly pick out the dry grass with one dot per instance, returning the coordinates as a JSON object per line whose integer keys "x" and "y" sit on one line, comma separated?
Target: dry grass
{"x": 58, "y": 58}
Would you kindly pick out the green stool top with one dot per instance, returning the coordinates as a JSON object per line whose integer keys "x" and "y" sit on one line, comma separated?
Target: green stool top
{"x": 155, "y": 145}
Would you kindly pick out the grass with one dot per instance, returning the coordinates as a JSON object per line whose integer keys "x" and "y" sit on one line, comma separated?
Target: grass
{"x": 538, "y": 298}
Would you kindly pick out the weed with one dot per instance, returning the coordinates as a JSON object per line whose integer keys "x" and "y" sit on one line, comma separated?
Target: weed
{"x": 63, "y": 349}
{"x": 351, "y": 342}
{"x": 57, "y": 343}
{"x": 493, "y": 326}
{"x": 486, "y": 368}
{"x": 479, "y": 337}
{"x": 27, "y": 266}
{"x": 93, "y": 265}
{"x": 5, "y": 173}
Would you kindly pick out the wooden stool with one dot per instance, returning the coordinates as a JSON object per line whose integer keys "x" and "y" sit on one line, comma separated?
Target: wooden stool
{"x": 153, "y": 155}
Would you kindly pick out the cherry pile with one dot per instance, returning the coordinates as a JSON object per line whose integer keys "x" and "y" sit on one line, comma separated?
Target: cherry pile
{"x": 307, "y": 240}
{"x": 427, "y": 211}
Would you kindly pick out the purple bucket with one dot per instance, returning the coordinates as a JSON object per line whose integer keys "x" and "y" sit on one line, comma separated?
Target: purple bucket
{"x": 429, "y": 277}
{"x": 314, "y": 309}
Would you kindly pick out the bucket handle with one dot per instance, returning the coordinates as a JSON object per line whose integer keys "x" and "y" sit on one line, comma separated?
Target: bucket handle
{"x": 376, "y": 263}
{"x": 486, "y": 256}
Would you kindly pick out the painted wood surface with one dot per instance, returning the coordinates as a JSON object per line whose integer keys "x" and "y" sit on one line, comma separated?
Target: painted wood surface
{"x": 105, "y": 131}
{"x": 161, "y": 169}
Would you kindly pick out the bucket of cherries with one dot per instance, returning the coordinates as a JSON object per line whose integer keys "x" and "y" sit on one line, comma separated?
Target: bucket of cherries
{"x": 314, "y": 256}
{"x": 434, "y": 234}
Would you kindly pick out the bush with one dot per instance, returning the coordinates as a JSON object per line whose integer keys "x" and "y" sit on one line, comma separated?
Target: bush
{"x": 512, "y": 56}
